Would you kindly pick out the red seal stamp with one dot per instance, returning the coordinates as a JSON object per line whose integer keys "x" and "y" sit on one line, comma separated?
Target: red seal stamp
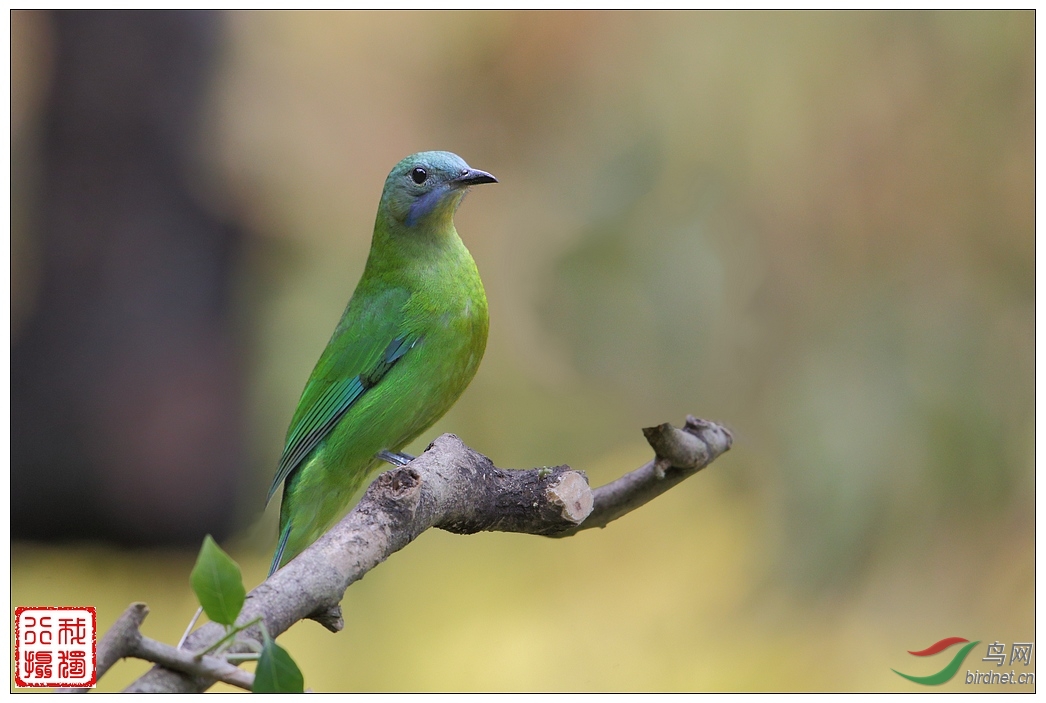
{"x": 55, "y": 646}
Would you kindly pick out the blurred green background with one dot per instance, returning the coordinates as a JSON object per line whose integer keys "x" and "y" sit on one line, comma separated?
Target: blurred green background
{"x": 814, "y": 228}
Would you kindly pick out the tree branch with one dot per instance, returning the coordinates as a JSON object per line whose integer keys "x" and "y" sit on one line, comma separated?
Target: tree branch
{"x": 678, "y": 455}
{"x": 454, "y": 488}
{"x": 124, "y": 639}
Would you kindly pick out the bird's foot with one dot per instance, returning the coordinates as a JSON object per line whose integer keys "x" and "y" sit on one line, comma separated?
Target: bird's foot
{"x": 395, "y": 458}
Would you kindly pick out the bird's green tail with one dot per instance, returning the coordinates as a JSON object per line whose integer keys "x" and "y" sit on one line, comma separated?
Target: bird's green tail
{"x": 284, "y": 536}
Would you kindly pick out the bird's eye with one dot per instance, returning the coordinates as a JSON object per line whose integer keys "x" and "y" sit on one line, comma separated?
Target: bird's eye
{"x": 418, "y": 175}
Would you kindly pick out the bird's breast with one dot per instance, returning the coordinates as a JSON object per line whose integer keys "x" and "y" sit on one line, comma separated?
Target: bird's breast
{"x": 448, "y": 312}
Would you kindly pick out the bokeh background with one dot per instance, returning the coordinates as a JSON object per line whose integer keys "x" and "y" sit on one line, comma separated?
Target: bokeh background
{"x": 815, "y": 228}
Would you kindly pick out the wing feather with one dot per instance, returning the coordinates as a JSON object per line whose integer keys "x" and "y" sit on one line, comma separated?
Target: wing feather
{"x": 366, "y": 346}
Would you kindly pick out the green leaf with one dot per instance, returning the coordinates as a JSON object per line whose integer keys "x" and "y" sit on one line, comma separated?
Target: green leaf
{"x": 218, "y": 584}
{"x": 277, "y": 672}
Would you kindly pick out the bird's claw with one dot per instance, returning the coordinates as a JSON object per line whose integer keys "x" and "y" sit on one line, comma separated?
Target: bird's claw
{"x": 395, "y": 458}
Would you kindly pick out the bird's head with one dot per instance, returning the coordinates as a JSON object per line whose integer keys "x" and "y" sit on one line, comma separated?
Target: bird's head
{"x": 428, "y": 187}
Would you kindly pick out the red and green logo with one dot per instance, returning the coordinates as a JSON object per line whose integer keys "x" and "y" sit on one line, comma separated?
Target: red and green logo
{"x": 948, "y": 671}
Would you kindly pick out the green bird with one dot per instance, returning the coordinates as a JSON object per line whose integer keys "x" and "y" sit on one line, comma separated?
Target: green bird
{"x": 406, "y": 347}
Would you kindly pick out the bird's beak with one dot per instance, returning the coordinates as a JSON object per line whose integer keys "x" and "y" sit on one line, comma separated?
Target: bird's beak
{"x": 473, "y": 177}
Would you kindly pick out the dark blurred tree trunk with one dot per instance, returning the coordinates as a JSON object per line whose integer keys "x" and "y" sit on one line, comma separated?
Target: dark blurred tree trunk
{"x": 126, "y": 381}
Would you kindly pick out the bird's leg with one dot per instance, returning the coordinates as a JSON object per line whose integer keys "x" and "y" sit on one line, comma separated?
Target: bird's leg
{"x": 395, "y": 458}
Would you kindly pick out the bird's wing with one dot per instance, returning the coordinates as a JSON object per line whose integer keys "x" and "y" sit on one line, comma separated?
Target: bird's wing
{"x": 368, "y": 342}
